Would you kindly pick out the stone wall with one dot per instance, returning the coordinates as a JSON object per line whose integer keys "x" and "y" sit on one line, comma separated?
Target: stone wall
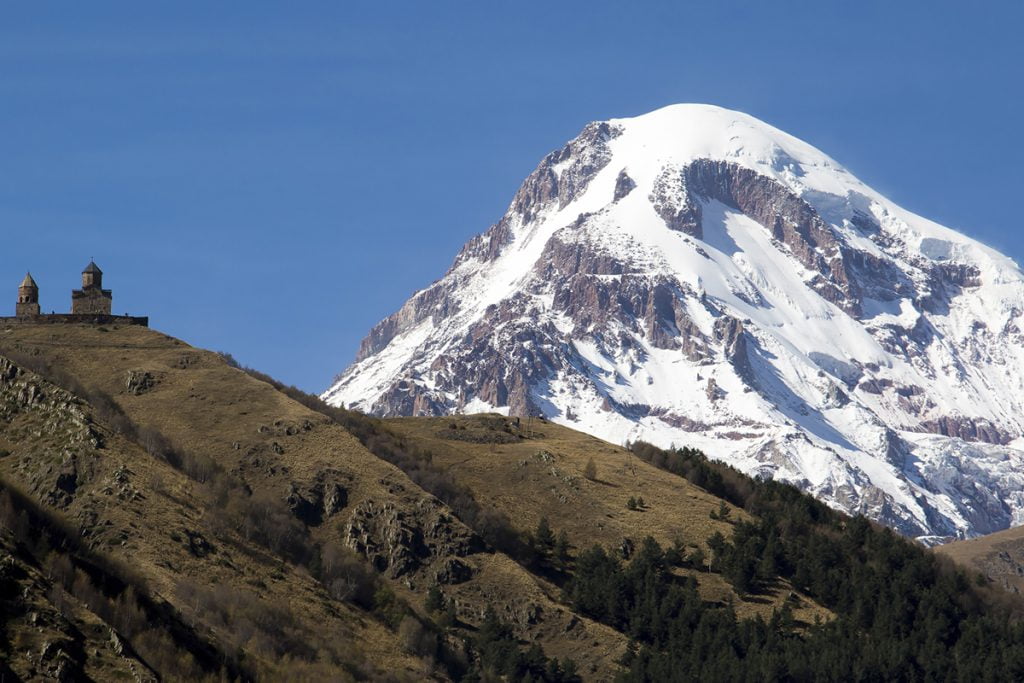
{"x": 71, "y": 318}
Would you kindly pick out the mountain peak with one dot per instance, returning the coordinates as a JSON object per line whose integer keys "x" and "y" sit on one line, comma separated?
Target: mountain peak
{"x": 698, "y": 277}
{"x": 684, "y": 132}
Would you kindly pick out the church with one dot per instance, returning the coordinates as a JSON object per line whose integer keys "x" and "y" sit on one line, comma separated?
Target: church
{"x": 90, "y": 304}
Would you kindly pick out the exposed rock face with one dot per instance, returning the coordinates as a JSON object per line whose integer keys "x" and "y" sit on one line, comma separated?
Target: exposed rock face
{"x": 139, "y": 382}
{"x": 326, "y": 496}
{"x": 452, "y": 571}
{"x": 729, "y": 331}
{"x": 675, "y": 204}
{"x": 693, "y": 276}
{"x": 401, "y": 540}
{"x": 623, "y": 185}
{"x": 34, "y": 408}
{"x": 967, "y": 429}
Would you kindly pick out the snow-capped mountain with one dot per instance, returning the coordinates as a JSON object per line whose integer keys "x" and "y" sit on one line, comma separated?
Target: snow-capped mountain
{"x": 694, "y": 276}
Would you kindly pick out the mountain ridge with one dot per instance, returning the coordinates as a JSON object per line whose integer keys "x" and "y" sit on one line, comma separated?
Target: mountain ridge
{"x": 695, "y": 276}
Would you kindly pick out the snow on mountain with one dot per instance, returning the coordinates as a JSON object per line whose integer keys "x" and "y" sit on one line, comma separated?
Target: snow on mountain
{"x": 694, "y": 276}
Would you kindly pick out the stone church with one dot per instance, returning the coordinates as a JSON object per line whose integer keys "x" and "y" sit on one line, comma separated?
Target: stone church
{"x": 91, "y": 299}
{"x": 90, "y": 304}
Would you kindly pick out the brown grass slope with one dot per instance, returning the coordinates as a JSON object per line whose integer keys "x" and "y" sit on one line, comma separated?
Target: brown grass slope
{"x": 537, "y": 469}
{"x": 175, "y": 534}
{"x": 999, "y": 557}
{"x": 147, "y": 516}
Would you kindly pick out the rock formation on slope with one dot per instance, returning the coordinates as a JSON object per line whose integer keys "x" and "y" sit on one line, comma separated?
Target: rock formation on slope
{"x": 696, "y": 277}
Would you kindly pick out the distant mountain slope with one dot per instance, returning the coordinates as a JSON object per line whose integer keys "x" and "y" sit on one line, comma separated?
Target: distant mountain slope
{"x": 695, "y": 276}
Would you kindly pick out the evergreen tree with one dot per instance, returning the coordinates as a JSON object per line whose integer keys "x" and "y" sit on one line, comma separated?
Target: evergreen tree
{"x": 544, "y": 538}
{"x": 562, "y": 555}
{"x": 697, "y": 559}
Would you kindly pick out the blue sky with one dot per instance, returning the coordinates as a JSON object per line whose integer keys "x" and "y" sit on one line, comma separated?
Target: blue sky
{"x": 272, "y": 179}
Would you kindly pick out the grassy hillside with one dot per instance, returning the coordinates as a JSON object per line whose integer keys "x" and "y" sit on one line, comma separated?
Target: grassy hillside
{"x": 173, "y": 515}
{"x": 50, "y": 633}
{"x": 999, "y": 557}
{"x": 900, "y": 612}
{"x": 539, "y": 470}
{"x": 138, "y": 511}
{"x": 227, "y": 497}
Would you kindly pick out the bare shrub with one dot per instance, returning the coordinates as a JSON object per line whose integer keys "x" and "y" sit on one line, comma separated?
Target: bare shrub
{"x": 416, "y": 638}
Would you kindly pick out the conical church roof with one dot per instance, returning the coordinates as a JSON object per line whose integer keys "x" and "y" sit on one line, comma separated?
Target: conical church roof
{"x": 92, "y": 268}
{"x": 29, "y": 282}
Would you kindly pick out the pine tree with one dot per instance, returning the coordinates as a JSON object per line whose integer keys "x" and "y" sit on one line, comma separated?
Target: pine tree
{"x": 562, "y": 556}
{"x": 544, "y": 538}
{"x": 723, "y": 512}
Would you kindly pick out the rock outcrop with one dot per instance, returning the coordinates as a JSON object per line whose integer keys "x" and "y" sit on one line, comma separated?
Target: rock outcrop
{"x": 401, "y": 541}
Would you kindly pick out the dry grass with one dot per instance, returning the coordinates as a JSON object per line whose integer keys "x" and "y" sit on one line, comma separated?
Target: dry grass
{"x": 540, "y": 472}
{"x": 998, "y": 556}
{"x": 543, "y": 476}
{"x": 207, "y": 407}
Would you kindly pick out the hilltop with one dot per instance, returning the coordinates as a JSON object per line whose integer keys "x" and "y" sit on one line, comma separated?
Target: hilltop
{"x": 540, "y": 472}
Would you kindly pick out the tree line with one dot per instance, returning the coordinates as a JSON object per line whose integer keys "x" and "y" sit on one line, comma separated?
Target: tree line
{"x": 901, "y": 612}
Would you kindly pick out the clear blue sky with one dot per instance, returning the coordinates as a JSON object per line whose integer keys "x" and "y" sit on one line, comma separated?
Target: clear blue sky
{"x": 272, "y": 179}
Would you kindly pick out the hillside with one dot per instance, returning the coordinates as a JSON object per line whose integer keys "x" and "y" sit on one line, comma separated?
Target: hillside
{"x": 47, "y": 632}
{"x": 141, "y": 512}
{"x": 999, "y": 557}
{"x": 696, "y": 276}
{"x": 898, "y": 611}
{"x": 229, "y": 500}
{"x": 165, "y": 514}
{"x": 539, "y": 472}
